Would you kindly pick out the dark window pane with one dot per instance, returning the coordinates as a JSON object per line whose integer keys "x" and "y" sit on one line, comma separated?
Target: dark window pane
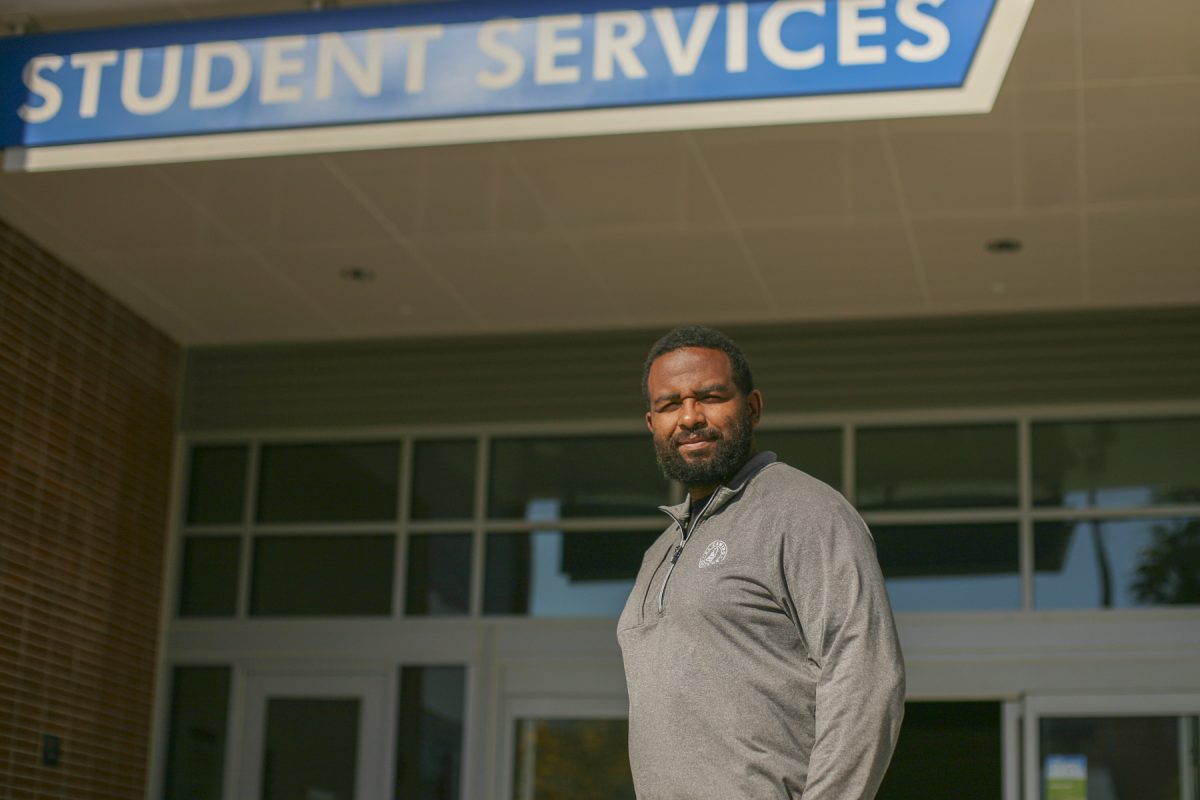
{"x": 947, "y": 751}
{"x": 209, "y": 581}
{"x": 310, "y": 743}
{"x": 1117, "y": 563}
{"x": 216, "y": 485}
{"x": 328, "y": 482}
{"x": 960, "y": 466}
{"x": 507, "y": 567}
{"x": 196, "y": 740}
{"x": 322, "y": 575}
{"x": 583, "y": 759}
{"x": 429, "y": 733}
{"x": 950, "y": 567}
{"x": 1125, "y": 757}
{"x": 552, "y": 574}
{"x": 439, "y": 575}
{"x": 443, "y": 482}
{"x": 1115, "y": 464}
{"x": 819, "y": 453}
{"x": 594, "y": 476}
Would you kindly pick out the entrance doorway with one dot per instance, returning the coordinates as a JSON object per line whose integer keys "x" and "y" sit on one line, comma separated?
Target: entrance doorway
{"x": 316, "y": 737}
{"x": 1113, "y": 747}
{"x": 568, "y": 747}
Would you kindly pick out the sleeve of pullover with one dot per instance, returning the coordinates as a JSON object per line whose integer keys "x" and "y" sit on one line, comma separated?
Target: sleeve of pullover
{"x": 847, "y": 620}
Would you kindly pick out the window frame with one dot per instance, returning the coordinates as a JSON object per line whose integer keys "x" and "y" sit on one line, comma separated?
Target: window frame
{"x": 1036, "y": 706}
{"x": 1025, "y": 514}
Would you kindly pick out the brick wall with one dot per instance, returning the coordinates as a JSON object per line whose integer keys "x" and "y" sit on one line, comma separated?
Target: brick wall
{"x": 87, "y": 396}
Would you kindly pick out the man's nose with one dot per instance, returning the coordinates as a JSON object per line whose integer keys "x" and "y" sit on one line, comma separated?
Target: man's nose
{"x": 691, "y": 415}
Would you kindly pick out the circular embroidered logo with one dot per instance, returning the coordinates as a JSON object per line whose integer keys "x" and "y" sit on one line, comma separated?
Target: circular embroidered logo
{"x": 715, "y": 553}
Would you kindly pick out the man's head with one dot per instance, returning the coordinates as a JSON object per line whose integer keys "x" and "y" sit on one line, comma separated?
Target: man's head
{"x": 702, "y": 407}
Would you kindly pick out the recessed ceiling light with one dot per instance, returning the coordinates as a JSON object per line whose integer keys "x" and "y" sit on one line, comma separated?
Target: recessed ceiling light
{"x": 1004, "y": 245}
{"x": 357, "y": 274}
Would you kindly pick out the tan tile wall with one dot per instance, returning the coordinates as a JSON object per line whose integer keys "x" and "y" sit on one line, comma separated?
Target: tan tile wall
{"x": 87, "y": 397}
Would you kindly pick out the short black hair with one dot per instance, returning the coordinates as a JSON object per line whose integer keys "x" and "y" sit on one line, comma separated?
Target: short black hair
{"x": 700, "y": 336}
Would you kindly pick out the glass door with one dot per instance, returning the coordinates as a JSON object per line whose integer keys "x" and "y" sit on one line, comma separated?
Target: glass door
{"x": 1115, "y": 747}
{"x": 316, "y": 737}
{"x": 568, "y": 748}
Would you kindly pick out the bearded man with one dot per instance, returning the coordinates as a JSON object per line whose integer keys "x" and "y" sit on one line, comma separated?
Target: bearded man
{"x": 760, "y": 652}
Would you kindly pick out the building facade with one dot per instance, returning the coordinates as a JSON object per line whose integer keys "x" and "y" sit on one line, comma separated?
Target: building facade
{"x": 325, "y": 476}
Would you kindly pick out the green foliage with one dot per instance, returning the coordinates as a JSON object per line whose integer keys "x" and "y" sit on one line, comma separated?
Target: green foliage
{"x": 1170, "y": 570}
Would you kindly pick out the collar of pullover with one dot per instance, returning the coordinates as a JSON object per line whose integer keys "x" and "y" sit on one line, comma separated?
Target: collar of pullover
{"x": 681, "y": 512}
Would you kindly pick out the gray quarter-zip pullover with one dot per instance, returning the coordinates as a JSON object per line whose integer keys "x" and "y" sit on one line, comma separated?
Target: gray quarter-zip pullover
{"x": 764, "y": 662}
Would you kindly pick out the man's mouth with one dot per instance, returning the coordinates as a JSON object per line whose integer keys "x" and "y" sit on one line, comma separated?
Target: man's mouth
{"x": 695, "y": 443}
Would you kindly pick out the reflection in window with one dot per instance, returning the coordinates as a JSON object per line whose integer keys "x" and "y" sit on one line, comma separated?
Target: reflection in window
{"x": 950, "y": 567}
{"x": 1138, "y": 758}
{"x": 597, "y": 476}
{"x": 819, "y": 453}
{"x": 953, "y": 466}
{"x": 328, "y": 482}
{"x": 443, "y": 480}
{"x": 1122, "y": 463}
{"x": 555, "y": 574}
{"x": 196, "y": 737}
{"x": 583, "y": 759}
{"x": 438, "y": 578}
{"x": 1117, "y": 563}
{"x": 216, "y": 484}
{"x": 429, "y": 733}
{"x": 322, "y": 575}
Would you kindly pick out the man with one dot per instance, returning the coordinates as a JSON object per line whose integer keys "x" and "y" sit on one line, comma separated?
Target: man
{"x": 760, "y": 652}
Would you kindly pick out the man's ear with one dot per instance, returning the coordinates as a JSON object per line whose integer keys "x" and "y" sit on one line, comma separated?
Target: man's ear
{"x": 649, "y": 422}
{"x": 755, "y": 401}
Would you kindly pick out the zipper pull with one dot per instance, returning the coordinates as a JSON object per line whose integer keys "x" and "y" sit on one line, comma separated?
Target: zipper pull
{"x": 678, "y": 552}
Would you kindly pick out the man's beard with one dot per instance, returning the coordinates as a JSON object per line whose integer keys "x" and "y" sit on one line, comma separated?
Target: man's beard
{"x": 727, "y": 458}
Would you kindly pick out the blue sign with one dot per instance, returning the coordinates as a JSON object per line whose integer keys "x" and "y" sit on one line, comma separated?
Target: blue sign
{"x": 485, "y": 60}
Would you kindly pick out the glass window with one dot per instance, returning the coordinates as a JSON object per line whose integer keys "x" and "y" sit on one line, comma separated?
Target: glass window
{"x": 583, "y": 759}
{"x": 968, "y": 567}
{"x": 443, "y": 480}
{"x": 429, "y": 733}
{"x": 819, "y": 453}
{"x": 947, "y": 751}
{"x": 593, "y": 476}
{"x": 958, "y": 466}
{"x": 196, "y": 737}
{"x": 555, "y": 574}
{"x": 1123, "y": 758}
{"x": 322, "y": 575}
{"x": 209, "y": 583}
{"x": 1116, "y": 464}
{"x": 1117, "y": 563}
{"x": 216, "y": 485}
{"x": 328, "y": 482}
{"x": 310, "y": 743}
{"x": 438, "y": 578}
